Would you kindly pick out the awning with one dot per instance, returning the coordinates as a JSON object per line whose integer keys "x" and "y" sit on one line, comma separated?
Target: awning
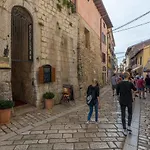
{"x": 147, "y": 67}
{"x": 139, "y": 67}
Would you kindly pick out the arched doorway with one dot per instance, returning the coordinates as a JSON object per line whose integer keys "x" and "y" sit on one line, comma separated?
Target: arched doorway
{"x": 21, "y": 56}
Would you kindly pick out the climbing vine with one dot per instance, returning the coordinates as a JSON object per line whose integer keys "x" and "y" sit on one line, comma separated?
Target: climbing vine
{"x": 2, "y": 3}
{"x": 66, "y": 3}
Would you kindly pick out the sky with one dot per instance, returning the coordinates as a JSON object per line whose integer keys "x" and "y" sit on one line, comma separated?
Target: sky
{"x": 123, "y": 11}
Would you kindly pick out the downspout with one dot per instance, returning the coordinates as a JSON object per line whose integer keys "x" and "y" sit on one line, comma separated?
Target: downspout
{"x": 107, "y": 54}
{"x": 101, "y": 47}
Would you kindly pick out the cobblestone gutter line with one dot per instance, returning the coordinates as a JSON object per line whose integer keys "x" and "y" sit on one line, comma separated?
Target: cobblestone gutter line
{"x": 144, "y": 132}
{"x": 131, "y": 142}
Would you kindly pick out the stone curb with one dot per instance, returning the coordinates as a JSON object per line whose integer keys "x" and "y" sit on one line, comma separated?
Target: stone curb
{"x": 131, "y": 142}
{"x": 27, "y": 128}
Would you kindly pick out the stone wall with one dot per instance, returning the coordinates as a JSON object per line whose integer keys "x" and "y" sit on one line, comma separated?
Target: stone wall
{"x": 55, "y": 42}
{"x": 5, "y": 86}
{"x": 89, "y": 59}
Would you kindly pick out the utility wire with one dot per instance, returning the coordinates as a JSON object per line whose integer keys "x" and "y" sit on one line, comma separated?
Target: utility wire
{"x": 120, "y": 53}
{"x": 120, "y": 57}
{"x": 132, "y": 21}
{"x": 132, "y": 27}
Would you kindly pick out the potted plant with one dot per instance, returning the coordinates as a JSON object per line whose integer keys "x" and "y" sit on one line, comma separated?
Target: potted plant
{"x": 48, "y": 97}
{"x": 5, "y": 111}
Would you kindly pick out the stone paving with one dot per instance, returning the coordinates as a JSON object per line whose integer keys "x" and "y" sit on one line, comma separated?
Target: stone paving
{"x": 31, "y": 116}
{"x": 69, "y": 131}
{"x": 144, "y": 133}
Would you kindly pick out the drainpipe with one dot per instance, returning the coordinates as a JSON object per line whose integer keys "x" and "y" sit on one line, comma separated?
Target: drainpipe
{"x": 107, "y": 55}
{"x": 101, "y": 47}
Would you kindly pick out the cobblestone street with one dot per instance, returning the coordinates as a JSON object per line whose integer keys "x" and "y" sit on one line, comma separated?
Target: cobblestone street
{"x": 59, "y": 56}
{"x": 69, "y": 131}
{"x": 144, "y": 133}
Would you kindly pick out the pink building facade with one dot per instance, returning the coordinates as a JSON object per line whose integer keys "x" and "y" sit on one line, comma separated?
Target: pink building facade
{"x": 94, "y": 19}
{"x": 88, "y": 11}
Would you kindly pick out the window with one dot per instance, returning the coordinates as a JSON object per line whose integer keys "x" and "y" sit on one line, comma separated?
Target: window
{"x": 109, "y": 59}
{"x": 104, "y": 25}
{"x": 140, "y": 60}
{"x": 136, "y": 61}
{"x": 103, "y": 58}
{"x": 104, "y": 68}
{"x": 87, "y": 38}
{"x": 103, "y": 38}
{"x": 110, "y": 46}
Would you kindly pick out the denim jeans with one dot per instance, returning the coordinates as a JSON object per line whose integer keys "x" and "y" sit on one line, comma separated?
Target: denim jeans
{"x": 91, "y": 112}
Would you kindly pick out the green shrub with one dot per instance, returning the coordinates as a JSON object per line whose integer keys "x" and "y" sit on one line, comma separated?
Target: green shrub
{"x": 48, "y": 95}
{"x": 6, "y": 104}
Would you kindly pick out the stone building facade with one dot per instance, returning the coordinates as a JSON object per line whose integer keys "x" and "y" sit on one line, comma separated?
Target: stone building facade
{"x": 110, "y": 54}
{"x": 36, "y": 33}
{"x": 48, "y": 36}
{"x": 89, "y": 52}
{"x": 92, "y": 45}
{"x": 89, "y": 56}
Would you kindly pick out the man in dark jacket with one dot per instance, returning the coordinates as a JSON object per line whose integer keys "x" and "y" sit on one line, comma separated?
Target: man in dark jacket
{"x": 124, "y": 91}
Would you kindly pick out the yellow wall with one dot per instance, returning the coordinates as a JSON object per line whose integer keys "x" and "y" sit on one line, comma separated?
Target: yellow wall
{"x": 109, "y": 41}
{"x": 138, "y": 58}
{"x": 146, "y": 55}
{"x": 109, "y": 54}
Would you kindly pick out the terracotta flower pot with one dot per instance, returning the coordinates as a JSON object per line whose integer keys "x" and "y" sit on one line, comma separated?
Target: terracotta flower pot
{"x": 5, "y": 115}
{"x": 49, "y": 103}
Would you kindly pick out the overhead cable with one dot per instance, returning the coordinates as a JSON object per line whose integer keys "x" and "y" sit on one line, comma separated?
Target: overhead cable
{"x": 133, "y": 27}
{"x": 132, "y": 21}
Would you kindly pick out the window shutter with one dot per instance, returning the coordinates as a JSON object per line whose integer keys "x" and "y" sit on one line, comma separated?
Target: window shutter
{"x": 53, "y": 74}
{"x": 41, "y": 75}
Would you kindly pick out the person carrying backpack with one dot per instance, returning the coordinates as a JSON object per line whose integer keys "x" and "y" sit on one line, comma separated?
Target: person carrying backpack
{"x": 93, "y": 100}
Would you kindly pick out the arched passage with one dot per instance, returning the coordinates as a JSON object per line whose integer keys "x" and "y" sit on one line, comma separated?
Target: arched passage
{"x": 21, "y": 55}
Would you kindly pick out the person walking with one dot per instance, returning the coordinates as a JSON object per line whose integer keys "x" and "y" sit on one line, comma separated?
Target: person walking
{"x": 131, "y": 79}
{"x": 141, "y": 86}
{"x": 93, "y": 92}
{"x": 114, "y": 83}
{"x": 124, "y": 92}
{"x": 147, "y": 82}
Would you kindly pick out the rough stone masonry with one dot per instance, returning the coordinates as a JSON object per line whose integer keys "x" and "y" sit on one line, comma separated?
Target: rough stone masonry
{"x": 60, "y": 39}
{"x": 54, "y": 42}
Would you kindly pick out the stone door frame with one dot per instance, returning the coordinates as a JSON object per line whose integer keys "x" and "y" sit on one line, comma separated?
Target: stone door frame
{"x": 36, "y": 41}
